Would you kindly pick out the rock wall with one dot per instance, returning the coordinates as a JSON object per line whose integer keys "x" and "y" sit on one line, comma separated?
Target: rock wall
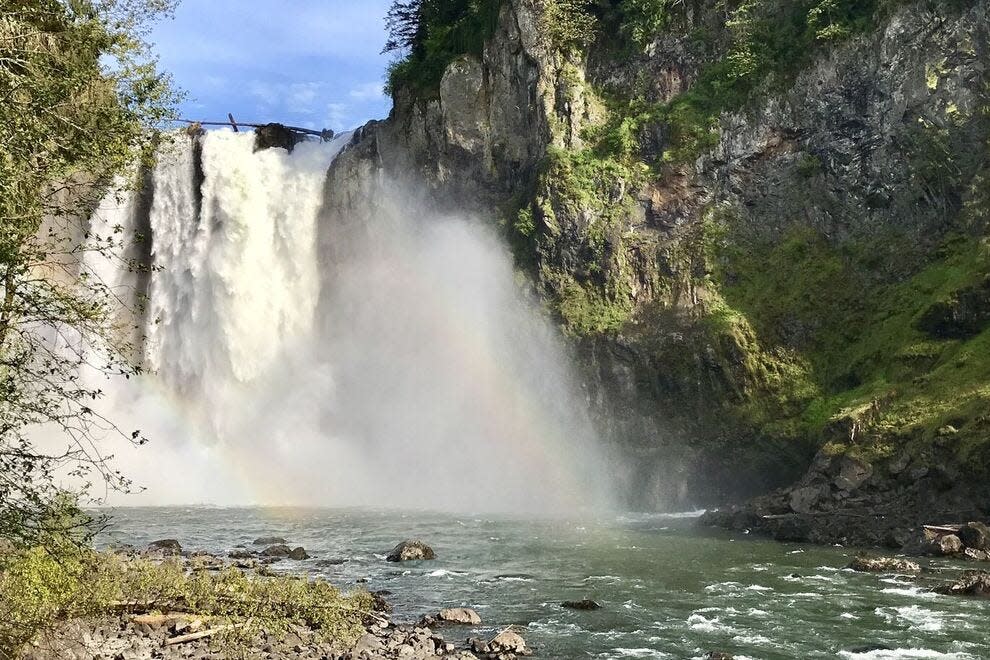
{"x": 722, "y": 310}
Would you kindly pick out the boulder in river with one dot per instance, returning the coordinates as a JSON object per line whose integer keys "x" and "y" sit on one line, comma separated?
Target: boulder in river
{"x": 975, "y": 535}
{"x": 166, "y": 547}
{"x": 950, "y": 544}
{"x": 973, "y": 554}
{"x": 585, "y": 604}
{"x": 298, "y": 554}
{"x": 719, "y": 655}
{"x": 463, "y": 615}
{"x": 411, "y": 551}
{"x": 870, "y": 564}
{"x": 270, "y": 540}
{"x": 970, "y": 583}
{"x": 240, "y": 554}
{"x": 508, "y": 641}
{"x": 276, "y": 551}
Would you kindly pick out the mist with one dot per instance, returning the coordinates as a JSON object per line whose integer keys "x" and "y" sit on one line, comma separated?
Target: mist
{"x": 406, "y": 365}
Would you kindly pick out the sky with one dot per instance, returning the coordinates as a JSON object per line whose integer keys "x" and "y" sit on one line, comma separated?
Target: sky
{"x": 308, "y": 63}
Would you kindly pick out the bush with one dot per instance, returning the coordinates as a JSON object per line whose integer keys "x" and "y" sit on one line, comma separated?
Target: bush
{"x": 40, "y": 587}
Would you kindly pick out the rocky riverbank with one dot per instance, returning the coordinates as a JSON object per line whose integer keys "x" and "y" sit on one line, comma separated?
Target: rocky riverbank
{"x": 172, "y": 627}
{"x": 842, "y": 500}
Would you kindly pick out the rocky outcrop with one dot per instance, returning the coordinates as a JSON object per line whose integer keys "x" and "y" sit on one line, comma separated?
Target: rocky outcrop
{"x": 411, "y": 551}
{"x": 737, "y": 313}
{"x": 870, "y": 564}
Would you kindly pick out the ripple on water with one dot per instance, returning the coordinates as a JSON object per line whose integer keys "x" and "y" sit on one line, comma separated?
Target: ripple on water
{"x": 906, "y": 654}
{"x": 915, "y": 616}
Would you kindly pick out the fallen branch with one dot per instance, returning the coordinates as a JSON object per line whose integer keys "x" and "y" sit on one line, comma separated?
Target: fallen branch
{"x": 192, "y": 637}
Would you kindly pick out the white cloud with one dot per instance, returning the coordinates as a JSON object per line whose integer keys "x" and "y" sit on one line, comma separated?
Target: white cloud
{"x": 368, "y": 92}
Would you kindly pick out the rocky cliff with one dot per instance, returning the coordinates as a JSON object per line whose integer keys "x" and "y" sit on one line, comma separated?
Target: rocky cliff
{"x": 765, "y": 233}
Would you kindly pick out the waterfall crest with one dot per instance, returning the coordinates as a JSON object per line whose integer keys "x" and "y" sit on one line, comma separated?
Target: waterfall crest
{"x": 407, "y": 369}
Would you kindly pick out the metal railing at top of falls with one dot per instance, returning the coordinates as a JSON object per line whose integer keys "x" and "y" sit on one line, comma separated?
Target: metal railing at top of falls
{"x": 326, "y": 134}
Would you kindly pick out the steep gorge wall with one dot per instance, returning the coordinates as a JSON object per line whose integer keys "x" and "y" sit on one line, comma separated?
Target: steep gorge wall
{"x": 813, "y": 282}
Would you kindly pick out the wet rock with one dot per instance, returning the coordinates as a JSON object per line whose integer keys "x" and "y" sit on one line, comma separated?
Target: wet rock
{"x": 869, "y": 564}
{"x": 166, "y": 547}
{"x": 948, "y": 545}
{"x": 298, "y": 554}
{"x": 508, "y": 641}
{"x": 970, "y": 583}
{"x": 803, "y": 500}
{"x": 269, "y": 540}
{"x": 585, "y": 604}
{"x": 275, "y": 135}
{"x": 975, "y": 555}
{"x": 276, "y": 551}
{"x": 240, "y": 554}
{"x": 462, "y": 615}
{"x": 331, "y": 562}
{"x": 869, "y": 648}
{"x": 853, "y": 473}
{"x": 719, "y": 655}
{"x": 411, "y": 551}
{"x": 975, "y": 535}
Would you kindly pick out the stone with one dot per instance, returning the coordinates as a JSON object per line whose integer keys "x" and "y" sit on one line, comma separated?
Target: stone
{"x": 869, "y": 564}
{"x": 975, "y": 555}
{"x": 947, "y": 545}
{"x": 276, "y": 135}
{"x": 585, "y": 604}
{"x": 276, "y": 551}
{"x": 411, "y": 551}
{"x": 240, "y": 554}
{"x": 298, "y": 554}
{"x": 166, "y": 547}
{"x": 508, "y": 641}
{"x": 970, "y": 583}
{"x": 462, "y": 615}
{"x": 853, "y": 473}
{"x": 269, "y": 540}
{"x": 803, "y": 500}
{"x": 975, "y": 535}
{"x": 719, "y": 655}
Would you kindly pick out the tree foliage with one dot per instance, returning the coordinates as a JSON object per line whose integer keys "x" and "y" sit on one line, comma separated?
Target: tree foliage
{"x": 427, "y": 35}
{"x": 78, "y": 92}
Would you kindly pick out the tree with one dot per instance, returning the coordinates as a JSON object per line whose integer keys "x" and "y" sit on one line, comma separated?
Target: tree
{"x": 78, "y": 94}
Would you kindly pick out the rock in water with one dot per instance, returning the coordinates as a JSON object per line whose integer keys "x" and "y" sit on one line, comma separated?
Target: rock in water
{"x": 277, "y": 551}
{"x": 464, "y": 615}
{"x": 719, "y": 655}
{"x": 275, "y": 135}
{"x": 508, "y": 641}
{"x": 411, "y": 551}
{"x": 270, "y": 540}
{"x": 971, "y": 583}
{"x": 975, "y": 555}
{"x": 166, "y": 547}
{"x": 586, "y": 604}
{"x": 299, "y": 554}
{"x": 950, "y": 544}
{"x": 975, "y": 535}
{"x": 868, "y": 564}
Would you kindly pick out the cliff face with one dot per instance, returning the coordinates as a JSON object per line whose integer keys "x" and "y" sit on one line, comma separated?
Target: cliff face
{"x": 810, "y": 279}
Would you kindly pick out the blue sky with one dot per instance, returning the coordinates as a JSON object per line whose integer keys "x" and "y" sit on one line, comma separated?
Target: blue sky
{"x": 310, "y": 63}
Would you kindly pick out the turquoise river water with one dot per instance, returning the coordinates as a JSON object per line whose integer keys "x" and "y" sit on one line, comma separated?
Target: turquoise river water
{"x": 669, "y": 590}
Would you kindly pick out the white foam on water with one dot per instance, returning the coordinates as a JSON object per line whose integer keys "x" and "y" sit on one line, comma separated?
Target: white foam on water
{"x": 906, "y": 654}
{"x": 914, "y": 616}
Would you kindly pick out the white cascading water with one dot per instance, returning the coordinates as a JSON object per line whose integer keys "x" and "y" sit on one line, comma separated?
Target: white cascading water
{"x": 411, "y": 372}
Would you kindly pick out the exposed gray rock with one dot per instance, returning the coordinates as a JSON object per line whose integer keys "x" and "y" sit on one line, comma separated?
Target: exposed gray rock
{"x": 947, "y": 545}
{"x": 867, "y": 563}
{"x": 585, "y": 604}
{"x": 166, "y": 546}
{"x": 975, "y": 535}
{"x": 298, "y": 554}
{"x": 276, "y": 551}
{"x": 508, "y": 641}
{"x": 971, "y": 583}
{"x": 411, "y": 551}
{"x": 462, "y": 615}
{"x": 269, "y": 540}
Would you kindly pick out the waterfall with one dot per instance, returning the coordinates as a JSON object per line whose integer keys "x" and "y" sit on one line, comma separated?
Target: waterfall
{"x": 407, "y": 369}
